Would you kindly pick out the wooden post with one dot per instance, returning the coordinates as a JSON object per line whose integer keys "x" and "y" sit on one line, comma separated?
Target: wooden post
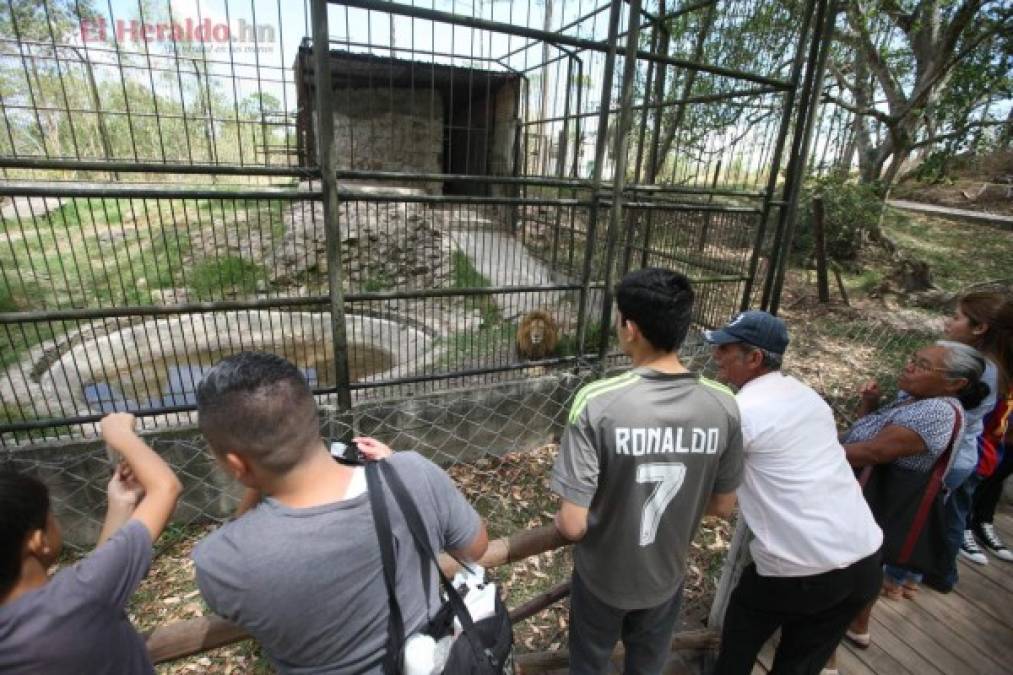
{"x": 840, "y": 284}
{"x": 735, "y": 562}
{"x": 820, "y": 242}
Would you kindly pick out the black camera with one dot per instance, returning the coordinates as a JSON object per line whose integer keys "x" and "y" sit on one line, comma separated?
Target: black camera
{"x": 346, "y": 452}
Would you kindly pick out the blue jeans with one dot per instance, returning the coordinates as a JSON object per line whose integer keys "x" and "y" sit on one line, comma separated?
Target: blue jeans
{"x": 956, "y": 511}
{"x": 899, "y": 576}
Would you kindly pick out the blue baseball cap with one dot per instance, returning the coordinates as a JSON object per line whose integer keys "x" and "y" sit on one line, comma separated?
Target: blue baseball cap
{"x": 760, "y": 329}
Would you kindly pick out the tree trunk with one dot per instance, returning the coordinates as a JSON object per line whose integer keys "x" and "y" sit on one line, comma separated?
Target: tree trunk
{"x": 673, "y": 126}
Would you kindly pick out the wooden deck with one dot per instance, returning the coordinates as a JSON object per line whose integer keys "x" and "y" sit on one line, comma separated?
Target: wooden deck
{"x": 966, "y": 632}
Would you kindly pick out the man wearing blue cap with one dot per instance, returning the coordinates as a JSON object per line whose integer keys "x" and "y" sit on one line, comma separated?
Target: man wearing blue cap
{"x": 816, "y": 545}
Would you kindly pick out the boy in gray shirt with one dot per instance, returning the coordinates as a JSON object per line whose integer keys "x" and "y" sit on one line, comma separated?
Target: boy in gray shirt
{"x": 76, "y": 621}
{"x": 644, "y": 456}
{"x": 301, "y": 570}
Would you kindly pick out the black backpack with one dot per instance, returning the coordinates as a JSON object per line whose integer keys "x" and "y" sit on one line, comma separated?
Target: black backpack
{"x": 485, "y": 647}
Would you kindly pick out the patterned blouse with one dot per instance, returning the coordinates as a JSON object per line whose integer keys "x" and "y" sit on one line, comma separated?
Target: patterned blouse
{"x": 930, "y": 418}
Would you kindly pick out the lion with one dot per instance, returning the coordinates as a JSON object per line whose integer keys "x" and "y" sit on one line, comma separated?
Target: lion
{"x": 537, "y": 335}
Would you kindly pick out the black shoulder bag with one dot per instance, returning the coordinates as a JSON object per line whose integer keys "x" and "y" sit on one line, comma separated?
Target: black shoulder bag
{"x": 908, "y": 506}
{"x": 485, "y": 647}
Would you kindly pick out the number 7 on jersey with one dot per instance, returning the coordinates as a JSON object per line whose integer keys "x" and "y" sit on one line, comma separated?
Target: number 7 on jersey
{"x": 669, "y": 477}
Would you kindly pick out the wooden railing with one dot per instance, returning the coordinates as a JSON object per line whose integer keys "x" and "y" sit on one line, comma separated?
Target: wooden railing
{"x": 193, "y": 636}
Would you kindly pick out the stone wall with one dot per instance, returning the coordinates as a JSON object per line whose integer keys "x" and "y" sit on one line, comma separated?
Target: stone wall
{"x": 398, "y": 129}
{"x": 449, "y": 427}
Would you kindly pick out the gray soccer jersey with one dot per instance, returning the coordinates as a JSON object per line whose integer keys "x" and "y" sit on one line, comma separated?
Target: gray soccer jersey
{"x": 644, "y": 451}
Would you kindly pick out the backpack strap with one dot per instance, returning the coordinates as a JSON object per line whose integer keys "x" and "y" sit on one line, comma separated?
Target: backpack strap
{"x": 931, "y": 490}
{"x": 418, "y": 529}
{"x": 385, "y": 536}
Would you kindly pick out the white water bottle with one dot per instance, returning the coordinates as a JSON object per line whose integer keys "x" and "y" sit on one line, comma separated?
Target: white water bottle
{"x": 442, "y": 653}
{"x": 419, "y": 655}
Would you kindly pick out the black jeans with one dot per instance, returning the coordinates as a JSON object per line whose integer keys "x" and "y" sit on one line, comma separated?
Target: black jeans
{"x": 595, "y": 627}
{"x": 986, "y": 497}
{"x": 812, "y": 612}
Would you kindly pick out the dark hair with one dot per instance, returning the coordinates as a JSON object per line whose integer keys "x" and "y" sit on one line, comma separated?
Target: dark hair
{"x": 24, "y": 506}
{"x": 967, "y": 363}
{"x": 260, "y": 406}
{"x": 995, "y": 310}
{"x": 660, "y": 302}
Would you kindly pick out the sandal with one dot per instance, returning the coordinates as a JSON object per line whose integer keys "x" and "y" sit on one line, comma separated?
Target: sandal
{"x": 860, "y": 640}
{"x": 910, "y": 590}
{"x": 891, "y": 591}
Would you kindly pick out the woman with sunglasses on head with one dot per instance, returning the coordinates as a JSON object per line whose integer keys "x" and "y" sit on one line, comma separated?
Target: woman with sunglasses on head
{"x": 911, "y": 434}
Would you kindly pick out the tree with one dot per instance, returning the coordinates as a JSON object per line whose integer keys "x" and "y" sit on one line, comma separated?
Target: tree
{"x": 916, "y": 74}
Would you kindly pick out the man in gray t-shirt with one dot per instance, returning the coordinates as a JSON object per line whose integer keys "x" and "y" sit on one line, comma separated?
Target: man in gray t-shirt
{"x": 644, "y": 456}
{"x": 301, "y": 571}
{"x": 308, "y": 582}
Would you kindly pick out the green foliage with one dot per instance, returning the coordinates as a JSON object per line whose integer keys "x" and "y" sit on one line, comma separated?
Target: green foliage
{"x": 593, "y": 333}
{"x": 376, "y": 282}
{"x": 933, "y": 168}
{"x": 230, "y": 275}
{"x": 852, "y": 211}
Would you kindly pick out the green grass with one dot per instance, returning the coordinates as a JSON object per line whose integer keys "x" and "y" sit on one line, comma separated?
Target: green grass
{"x": 465, "y": 275}
{"x": 377, "y": 282}
{"x": 72, "y": 213}
{"x": 23, "y": 296}
{"x": 13, "y": 414}
{"x": 959, "y": 254}
{"x": 868, "y": 281}
{"x": 231, "y": 274}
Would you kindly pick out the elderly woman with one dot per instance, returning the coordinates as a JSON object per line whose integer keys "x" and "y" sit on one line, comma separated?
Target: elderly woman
{"x": 912, "y": 433}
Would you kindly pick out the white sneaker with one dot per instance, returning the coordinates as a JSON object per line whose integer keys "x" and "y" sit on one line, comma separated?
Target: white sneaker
{"x": 969, "y": 549}
{"x": 990, "y": 538}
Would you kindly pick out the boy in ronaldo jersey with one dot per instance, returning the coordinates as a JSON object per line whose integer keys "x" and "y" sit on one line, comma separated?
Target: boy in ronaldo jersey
{"x": 644, "y": 457}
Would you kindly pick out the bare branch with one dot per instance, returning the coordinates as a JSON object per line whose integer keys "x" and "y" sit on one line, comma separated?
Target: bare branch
{"x": 842, "y": 81}
{"x": 961, "y": 18}
{"x": 863, "y": 41}
{"x": 859, "y": 110}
